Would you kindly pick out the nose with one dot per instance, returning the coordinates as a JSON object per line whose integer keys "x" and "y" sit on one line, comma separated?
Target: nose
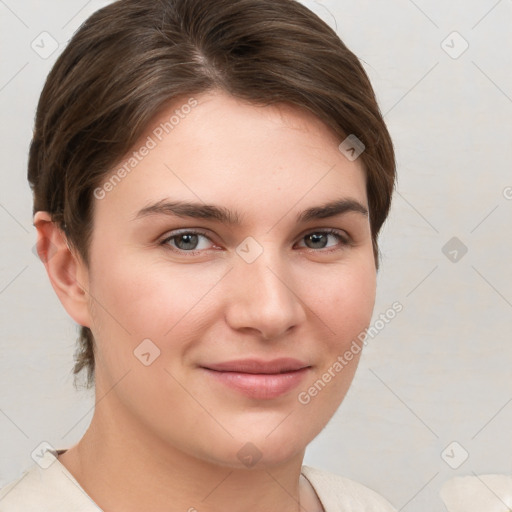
{"x": 264, "y": 298}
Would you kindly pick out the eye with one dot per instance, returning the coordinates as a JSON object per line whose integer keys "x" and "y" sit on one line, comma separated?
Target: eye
{"x": 192, "y": 241}
{"x": 187, "y": 241}
{"x": 320, "y": 239}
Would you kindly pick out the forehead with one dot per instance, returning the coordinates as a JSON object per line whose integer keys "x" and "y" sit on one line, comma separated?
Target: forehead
{"x": 216, "y": 148}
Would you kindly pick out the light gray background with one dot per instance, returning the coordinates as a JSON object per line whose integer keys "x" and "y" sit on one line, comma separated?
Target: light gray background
{"x": 441, "y": 371}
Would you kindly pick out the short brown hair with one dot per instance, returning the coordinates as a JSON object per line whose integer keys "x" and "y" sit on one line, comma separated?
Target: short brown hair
{"x": 132, "y": 56}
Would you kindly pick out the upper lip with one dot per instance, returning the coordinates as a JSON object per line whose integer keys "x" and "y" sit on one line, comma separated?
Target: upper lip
{"x": 281, "y": 365}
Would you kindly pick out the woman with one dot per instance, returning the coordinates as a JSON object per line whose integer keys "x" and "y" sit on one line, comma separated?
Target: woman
{"x": 209, "y": 182}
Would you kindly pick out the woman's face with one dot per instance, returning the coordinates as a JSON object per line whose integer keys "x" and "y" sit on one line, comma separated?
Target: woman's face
{"x": 223, "y": 295}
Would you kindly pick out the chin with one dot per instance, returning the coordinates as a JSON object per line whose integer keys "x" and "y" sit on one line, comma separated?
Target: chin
{"x": 258, "y": 450}
{"x": 254, "y": 457}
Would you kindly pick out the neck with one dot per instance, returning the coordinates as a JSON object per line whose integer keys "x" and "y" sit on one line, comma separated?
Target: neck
{"x": 122, "y": 467}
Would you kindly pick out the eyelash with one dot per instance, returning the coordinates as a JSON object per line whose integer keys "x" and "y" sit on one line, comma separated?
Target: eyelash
{"x": 344, "y": 239}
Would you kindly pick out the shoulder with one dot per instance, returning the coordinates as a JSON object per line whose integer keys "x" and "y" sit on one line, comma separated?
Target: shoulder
{"x": 45, "y": 487}
{"x": 340, "y": 493}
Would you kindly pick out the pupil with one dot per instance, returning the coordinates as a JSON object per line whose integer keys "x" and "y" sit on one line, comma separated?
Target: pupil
{"x": 316, "y": 238}
{"x": 189, "y": 240}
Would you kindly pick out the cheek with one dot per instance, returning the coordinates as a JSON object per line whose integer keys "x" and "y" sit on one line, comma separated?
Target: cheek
{"x": 343, "y": 302}
{"x": 343, "y": 299}
{"x": 150, "y": 300}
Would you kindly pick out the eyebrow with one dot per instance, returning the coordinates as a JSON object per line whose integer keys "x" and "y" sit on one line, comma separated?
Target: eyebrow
{"x": 219, "y": 213}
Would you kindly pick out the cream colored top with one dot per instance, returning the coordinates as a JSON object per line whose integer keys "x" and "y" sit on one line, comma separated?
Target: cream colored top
{"x": 49, "y": 487}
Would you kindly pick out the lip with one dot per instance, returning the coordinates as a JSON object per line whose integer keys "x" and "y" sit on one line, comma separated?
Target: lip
{"x": 258, "y": 379}
{"x": 281, "y": 365}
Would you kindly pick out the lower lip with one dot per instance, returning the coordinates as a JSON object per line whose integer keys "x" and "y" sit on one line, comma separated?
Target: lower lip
{"x": 260, "y": 386}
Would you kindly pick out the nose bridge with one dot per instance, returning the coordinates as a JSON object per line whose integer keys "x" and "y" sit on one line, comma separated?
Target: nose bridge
{"x": 268, "y": 280}
{"x": 264, "y": 298}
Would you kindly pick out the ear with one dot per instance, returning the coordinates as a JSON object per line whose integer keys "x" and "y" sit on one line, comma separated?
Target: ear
{"x": 67, "y": 272}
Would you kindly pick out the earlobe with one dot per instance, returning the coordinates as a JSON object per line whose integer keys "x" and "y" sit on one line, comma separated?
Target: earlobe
{"x": 66, "y": 270}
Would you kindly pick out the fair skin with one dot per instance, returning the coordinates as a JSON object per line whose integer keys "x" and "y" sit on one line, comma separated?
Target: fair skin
{"x": 166, "y": 436}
